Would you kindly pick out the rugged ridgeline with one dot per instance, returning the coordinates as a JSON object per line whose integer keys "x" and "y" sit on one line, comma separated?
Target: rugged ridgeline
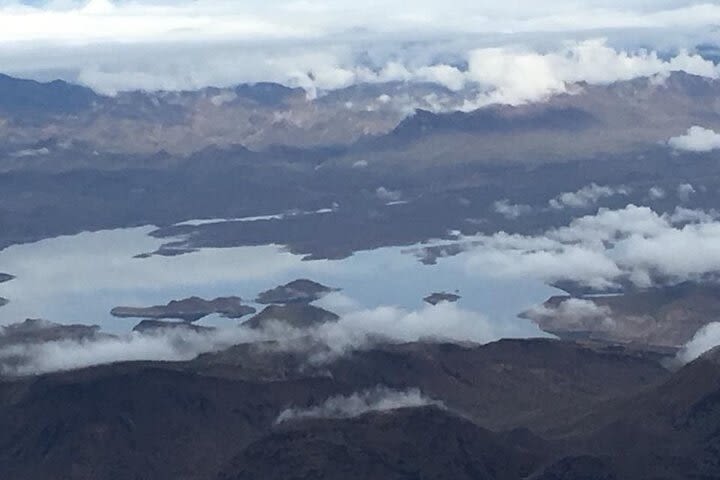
{"x": 265, "y": 114}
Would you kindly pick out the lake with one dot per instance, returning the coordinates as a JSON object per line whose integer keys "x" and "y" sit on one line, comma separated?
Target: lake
{"x": 80, "y": 278}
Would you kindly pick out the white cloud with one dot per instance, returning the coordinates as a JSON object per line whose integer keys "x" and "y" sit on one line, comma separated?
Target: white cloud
{"x": 511, "y": 211}
{"x": 697, "y": 139}
{"x": 574, "y": 314}
{"x": 444, "y": 321}
{"x": 656, "y": 193}
{"x": 380, "y": 399}
{"x": 703, "y": 341}
{"x": 585, "y": 197}
{"x": 560, "y": 262}
{"x": 388, "y": 195}
{"x": 339, "y": 303}
{"x": 684, "y": 191}
{"x": 445, "y": 75}
{"x": 516, "y": 76}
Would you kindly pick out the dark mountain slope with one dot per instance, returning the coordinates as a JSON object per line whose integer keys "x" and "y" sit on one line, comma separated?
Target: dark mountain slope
{"x": 506, "y": 384}
{"x": 671, "y": 431}
{"x": 404, "y": 444}
{"x": 189, "y": 419}
{"x": 132, "y": 422}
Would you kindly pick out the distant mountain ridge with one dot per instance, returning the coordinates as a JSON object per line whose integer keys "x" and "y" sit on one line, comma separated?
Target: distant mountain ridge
{"x": 56, "y": 97}
{"x": 265, "y": 115}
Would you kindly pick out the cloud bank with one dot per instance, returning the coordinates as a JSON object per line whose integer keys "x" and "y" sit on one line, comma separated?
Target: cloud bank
{"x": 608, "y": 249}
{"x": 380, "y": 399}
{"x": 511, "y": 53}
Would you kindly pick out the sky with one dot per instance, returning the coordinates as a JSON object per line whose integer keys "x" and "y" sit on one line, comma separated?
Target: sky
{"x": 145, "y": 44}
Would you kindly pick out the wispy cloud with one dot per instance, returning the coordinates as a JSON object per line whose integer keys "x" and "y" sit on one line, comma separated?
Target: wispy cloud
{"x": 379, "y": 399}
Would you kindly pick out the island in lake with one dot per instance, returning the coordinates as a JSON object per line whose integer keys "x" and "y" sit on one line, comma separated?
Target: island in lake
{"x": 160, "y": 327}
{"x": 34, "y": 331}
{"x": 439, "y": 297}
{"x": 189, "y": 309}
{"x": 297, "y": 291}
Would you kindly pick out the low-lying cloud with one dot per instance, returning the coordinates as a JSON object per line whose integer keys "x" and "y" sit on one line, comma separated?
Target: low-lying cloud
{"x": 380, "y": 399}
{"x": 573, "y": 314}
{"x": 174, "y": 345}
{"x": 356, "y": 329}
{"x": 697, "y": 139}
{"x": 704, "y": 340}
